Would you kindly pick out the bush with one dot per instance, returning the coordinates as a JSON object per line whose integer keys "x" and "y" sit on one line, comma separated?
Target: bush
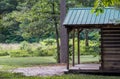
{"x": 24, "y": 45}
{"x": 19, "y": 53}
{"x": 49, "y": 41}
{"x": 45, "y": 51}
{"x": 92, "y": 49}
{"x": 3, "y": 53}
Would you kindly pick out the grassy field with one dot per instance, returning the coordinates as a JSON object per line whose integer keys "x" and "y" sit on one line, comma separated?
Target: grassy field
{"x": 26, "y": 61}
{"x": 31, "y": 61}
{"x": 4, "y": 75}
{"x": 9, "y": 63}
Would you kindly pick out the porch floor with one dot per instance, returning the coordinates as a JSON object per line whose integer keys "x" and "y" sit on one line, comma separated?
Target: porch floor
{"x": 86, "y": 67}
{"x": 91, "y": 69}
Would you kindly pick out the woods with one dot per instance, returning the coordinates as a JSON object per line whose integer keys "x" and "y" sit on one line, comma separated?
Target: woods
{"x": 34, "y": 21}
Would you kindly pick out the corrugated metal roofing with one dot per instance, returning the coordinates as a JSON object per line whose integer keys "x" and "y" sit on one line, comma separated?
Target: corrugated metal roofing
{"x": 79, "y": 16}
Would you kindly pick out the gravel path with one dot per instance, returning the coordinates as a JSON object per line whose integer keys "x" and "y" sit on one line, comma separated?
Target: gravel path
{"x": 41, "y": 71}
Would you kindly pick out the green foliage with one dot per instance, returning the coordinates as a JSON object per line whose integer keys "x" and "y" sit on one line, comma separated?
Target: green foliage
{"x": 44, "y": 51}
{"x": 3, "y": 52}
{"x": 19, "y": 53}
{"x": 31, "y": 20}
{"x": 24, "y": 45}
{"x": 44, "y": 48}
{"x": 48, "y": 48}
{"x": 99, "y": 5}
{"x": 92, "y": 49}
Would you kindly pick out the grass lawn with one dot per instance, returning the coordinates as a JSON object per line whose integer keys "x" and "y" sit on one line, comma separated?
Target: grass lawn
{"x": 8, "y": 63}
{"x": 26, "y": 61}
{"x": 31, "y": 61}
{"x": 4, "y": 75}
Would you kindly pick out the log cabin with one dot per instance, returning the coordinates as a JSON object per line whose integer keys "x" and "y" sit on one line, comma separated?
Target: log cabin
{"x": 78, "y": 19}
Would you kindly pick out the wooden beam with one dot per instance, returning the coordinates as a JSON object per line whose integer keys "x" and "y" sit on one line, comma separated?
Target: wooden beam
{"x": 67, "y": 49}
{"x": 102, "y": 60}
{"x": 78, "y": 34}
{"x": 73, "y": 51}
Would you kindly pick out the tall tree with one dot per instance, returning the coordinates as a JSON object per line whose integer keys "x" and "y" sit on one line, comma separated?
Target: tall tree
{"x": 55, "y": 22}
{"x": 63, "y": 33}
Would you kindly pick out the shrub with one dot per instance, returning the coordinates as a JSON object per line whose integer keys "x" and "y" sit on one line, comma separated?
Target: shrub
{"x": 45, "y": 51}
{"x": 49, "y": 41}
{"x": 3, "y": 53}
{"x": 24, "y": 45}
{"x": 39, "y": 52}
{"x": 19, "y": 53}
{"x": 92, "y": 49}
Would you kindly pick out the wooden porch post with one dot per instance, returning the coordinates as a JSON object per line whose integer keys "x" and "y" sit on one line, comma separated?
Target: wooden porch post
{"x": 67, "y": 48}
{"x": 73, "y": 51}
{"x": 102, "y": 62}
{"x": 78, "y": 46}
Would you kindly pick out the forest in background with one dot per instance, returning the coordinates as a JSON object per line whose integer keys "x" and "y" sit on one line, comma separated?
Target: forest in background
{"x": 34, "y": 20}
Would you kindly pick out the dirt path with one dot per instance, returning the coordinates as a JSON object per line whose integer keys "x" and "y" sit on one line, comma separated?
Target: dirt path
{"x": 41, "y": 71}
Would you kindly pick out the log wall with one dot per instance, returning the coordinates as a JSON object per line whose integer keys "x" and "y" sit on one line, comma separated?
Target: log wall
{"x": 110, "y": 48}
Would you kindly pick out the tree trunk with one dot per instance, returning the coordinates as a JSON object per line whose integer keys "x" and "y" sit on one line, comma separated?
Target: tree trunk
{"x": 57, "y": 33}
{"x": 63, "y": 33}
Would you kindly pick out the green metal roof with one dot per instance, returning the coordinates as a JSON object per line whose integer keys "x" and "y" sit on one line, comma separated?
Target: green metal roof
{"x": 79, "y": 16}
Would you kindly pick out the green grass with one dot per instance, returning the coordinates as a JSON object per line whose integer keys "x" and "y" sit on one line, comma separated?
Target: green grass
{"x": 4, "y": 75}
{"x": 32, "y": 61}
{"x": 7, "y": 62}
{"x": 26, "y": 61}
{"x": 88, "y": 58}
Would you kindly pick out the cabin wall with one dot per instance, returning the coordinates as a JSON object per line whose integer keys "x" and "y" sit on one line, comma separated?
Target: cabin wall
{"x": 110, "y": 48}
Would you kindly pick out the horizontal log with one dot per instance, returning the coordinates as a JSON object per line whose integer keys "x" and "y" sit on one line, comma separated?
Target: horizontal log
{"x": 112, "y": 39}
{"x": 115, "y": 35}
{"x": 112, "y": 64}
{"x": 111, "y": 59}
{"x": 111, "y": 68}
{"x": 117, "y": 32}
{"x": 115, "y": 60}
{"x": 111, "y": 42}
{"x": 111, "y": 45}
{"x": 111, "y": 49}
{"x": 111, "y": 56}
{"x": 111, "y": 28}
{"x": 111, "y": 35}
{"x": 111, "y": 52}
